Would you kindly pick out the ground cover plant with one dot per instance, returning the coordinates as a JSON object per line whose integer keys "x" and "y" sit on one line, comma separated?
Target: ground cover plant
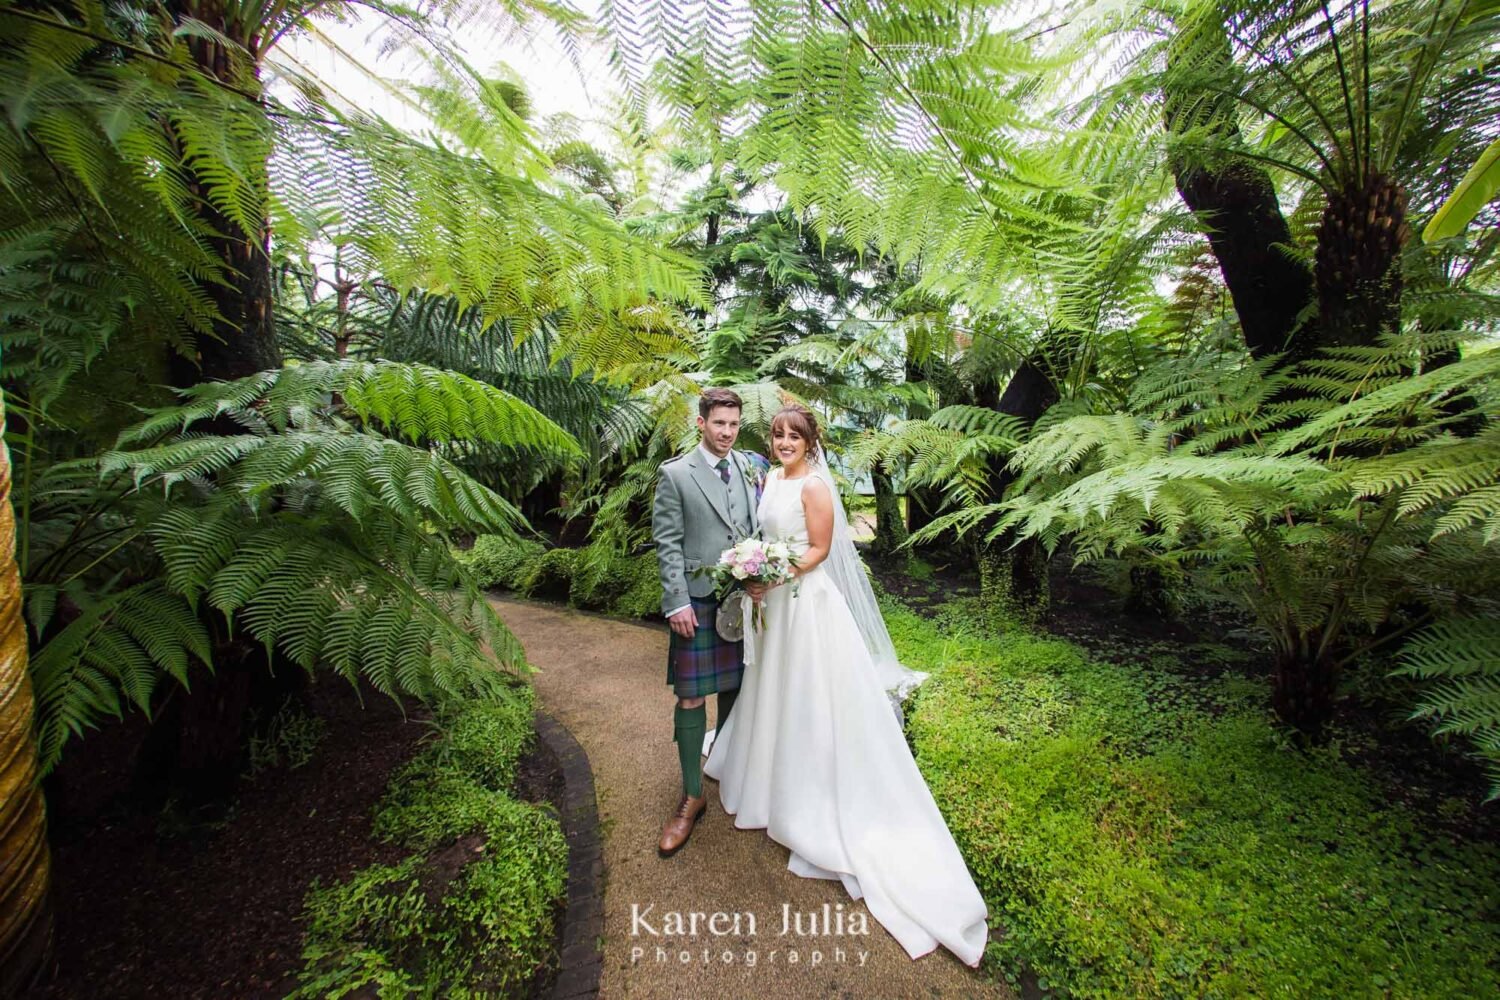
{"x": 1140, "y": 832}
{"x": 472, "y": 910}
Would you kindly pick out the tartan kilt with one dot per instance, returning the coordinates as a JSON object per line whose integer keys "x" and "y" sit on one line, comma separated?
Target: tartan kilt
{"x": 706, "y": 663}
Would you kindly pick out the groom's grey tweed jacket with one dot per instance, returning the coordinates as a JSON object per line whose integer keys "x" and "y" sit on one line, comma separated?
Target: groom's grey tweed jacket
{"x": 696, "y": 517}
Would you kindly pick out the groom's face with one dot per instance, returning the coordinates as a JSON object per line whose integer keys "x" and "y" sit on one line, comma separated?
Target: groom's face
{"x": 720, "y": 428}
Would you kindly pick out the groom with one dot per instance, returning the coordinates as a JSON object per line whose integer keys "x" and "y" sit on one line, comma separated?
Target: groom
{"x": 705, "y": 503}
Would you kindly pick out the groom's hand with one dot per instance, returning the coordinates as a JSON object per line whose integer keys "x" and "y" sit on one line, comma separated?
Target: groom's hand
{"x": 684, "y": 623}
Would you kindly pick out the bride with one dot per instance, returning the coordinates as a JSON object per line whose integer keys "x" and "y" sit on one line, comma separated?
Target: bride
{"x": 812, "y": 751}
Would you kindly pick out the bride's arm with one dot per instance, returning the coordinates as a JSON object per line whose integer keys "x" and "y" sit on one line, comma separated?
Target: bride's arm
{"x": 817, "y": 505}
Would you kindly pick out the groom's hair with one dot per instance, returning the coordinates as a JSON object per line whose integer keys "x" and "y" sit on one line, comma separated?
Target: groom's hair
{"x": 712, "y": 399}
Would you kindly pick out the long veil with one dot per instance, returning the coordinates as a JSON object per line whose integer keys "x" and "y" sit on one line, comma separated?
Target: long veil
{"x": 848, "y": 572}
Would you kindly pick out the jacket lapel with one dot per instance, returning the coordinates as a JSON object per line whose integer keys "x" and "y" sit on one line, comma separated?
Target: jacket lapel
{"x": 712, "y": 486}
{"x": 742, "y": 471}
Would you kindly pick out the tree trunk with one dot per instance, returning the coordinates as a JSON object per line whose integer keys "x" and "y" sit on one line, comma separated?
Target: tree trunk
{"x": 1148, "y": 593}
{"x": 1013, "y": 578}
{"x": 25, "y": 862}
{"x": 244, "y": 336}
{"x": 890, "y": 530}
{"x": 922, "y": 502}
{"x": 195, "y": 747}
{"x": 1358, "y": 263}
{"x": 1303, "y": 686}
{"x": 1237, "y": 206}
{"x": 1013, "y": 582}
{"x": 1461, "y": 405}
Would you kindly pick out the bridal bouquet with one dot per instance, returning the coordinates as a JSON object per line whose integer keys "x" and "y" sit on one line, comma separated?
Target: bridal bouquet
{"x": 753, "y": 560}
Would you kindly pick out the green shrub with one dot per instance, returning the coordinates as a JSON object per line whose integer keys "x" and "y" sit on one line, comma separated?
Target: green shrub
{"x": 472, "y": 910}
{"x": 596, "y": 578}
{"x": 551, "y": 576}
{"x": 1136, "y": 833}
{"x": 497, "y": 561}
{"x": 624, "y": 585}
{"x": 643, "y": 596}
{"x": 486, "y": 739}
{"x": 482, "y": 741}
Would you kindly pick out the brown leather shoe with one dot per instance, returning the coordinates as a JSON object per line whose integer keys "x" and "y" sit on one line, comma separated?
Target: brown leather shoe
{"x": 677, "y": 829}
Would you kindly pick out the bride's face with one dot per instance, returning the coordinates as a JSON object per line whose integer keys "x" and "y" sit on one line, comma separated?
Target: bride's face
{"x": 790, "y": 447}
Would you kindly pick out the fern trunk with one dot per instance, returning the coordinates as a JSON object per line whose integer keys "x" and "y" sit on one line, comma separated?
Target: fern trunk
{"x": 1013, "y": 583}
{"x": 195, "y": 744}
{"x": 244, "y": 336}
{"x": 1303, "y": 685}
{"x": 1148, "y": 593}
{"x": 25, "y": 862}
{"x": 1013, "y": 578}
{"x": 1461, "y": 407}
{"x": 1358, "y": 263}
{"x": 890, "y": 530}
{"x": 195, "y": 749}
{"x": 1236, "y": 203}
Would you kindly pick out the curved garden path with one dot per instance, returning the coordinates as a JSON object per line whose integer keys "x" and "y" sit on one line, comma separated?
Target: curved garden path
{"x": 605, "y": 680}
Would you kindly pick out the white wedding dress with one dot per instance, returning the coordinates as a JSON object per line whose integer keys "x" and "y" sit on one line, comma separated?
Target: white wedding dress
{"x": 813, "y": 754}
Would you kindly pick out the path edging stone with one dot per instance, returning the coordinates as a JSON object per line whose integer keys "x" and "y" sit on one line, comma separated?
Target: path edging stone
{"x": 582, "y": 961}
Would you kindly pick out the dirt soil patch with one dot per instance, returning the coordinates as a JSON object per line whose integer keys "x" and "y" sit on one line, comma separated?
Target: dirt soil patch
{"x": 149, "y": 907}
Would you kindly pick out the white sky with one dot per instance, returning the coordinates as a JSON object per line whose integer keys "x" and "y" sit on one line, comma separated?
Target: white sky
{"x": 541, "y": 63}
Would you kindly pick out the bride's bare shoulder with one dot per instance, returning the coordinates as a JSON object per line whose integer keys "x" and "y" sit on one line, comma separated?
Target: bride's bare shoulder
{"x": 814, "y": 485}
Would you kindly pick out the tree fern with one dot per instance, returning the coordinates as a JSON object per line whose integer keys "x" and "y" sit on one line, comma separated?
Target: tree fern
{"x": 303, "y": 533}
{"x": 1459, "y": 664}
{"x": 120, "y": 646}
{"x": 1324, "y": 534}
{"x": 412, "y": 400}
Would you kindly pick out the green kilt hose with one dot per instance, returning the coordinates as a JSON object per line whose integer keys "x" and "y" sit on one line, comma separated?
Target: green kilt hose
{"x": 707, "y": 662}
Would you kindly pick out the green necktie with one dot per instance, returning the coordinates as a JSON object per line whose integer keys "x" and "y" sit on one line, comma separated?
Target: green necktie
{"x": 723, "y": 468}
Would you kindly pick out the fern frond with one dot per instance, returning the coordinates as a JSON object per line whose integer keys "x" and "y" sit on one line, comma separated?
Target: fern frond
{"x": 1460, "y": 665}
{"x": 416, "y": 401}
{"x": 121, "y": 644}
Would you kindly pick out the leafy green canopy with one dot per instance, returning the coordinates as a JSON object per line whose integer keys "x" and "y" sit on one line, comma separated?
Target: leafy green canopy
{"x": 113, "y": 139}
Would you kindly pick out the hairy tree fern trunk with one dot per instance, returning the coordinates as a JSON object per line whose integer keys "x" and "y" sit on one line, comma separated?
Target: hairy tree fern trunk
{"x": 1148, "y": 593}
{"x": 195, "y": 748}
{"x": 924, "y": 502}
{"x": 1469, "y": 419}
{"x": 1013, "y": 583}
{"x": 1358, "y": 263}
{"x": 244, "y": 340}
{"x": 890, "y": 530}
{"x": 1236, "y": 202}
{"x": 1013, "y": 578}
{"x": 1303, "y": 685}
{"x": 25, "y": 864}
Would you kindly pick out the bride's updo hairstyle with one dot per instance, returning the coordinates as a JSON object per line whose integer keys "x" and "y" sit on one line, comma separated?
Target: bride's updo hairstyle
{"x": 800, "y": 419}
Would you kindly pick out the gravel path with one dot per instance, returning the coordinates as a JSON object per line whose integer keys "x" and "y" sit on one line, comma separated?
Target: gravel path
{"x": 605, "y": 680}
